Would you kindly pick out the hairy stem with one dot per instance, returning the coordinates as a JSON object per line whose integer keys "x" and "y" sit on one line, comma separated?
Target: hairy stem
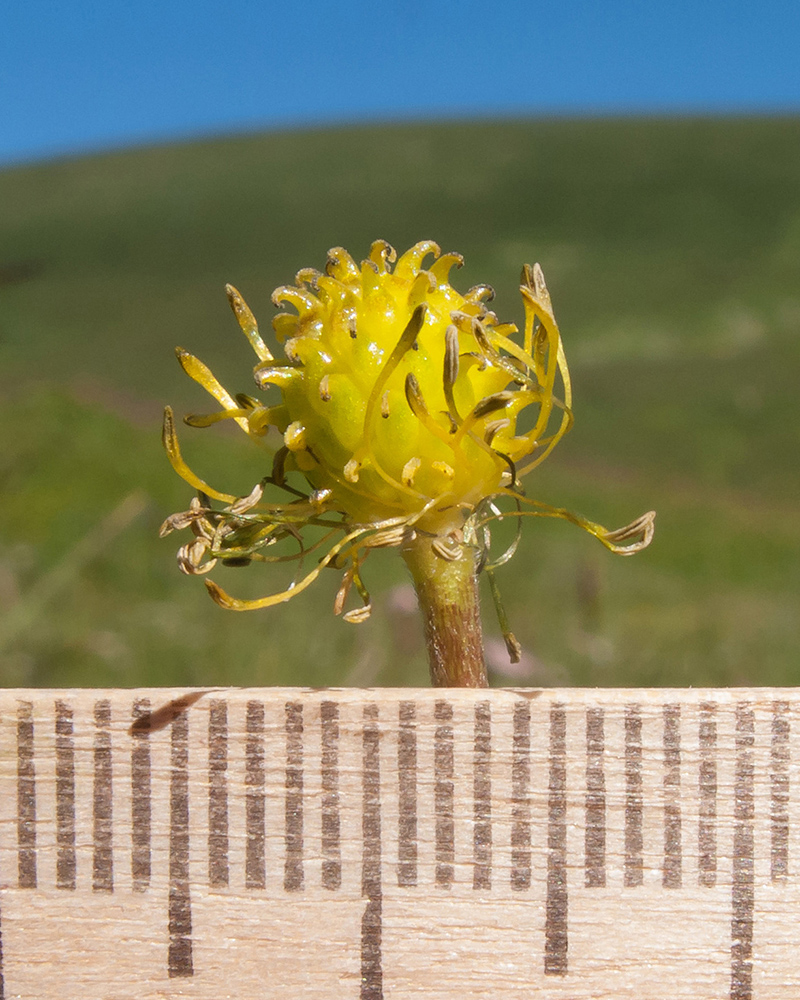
{"x": 447, "y": 591}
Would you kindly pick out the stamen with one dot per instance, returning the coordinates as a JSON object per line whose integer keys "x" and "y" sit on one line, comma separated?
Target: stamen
{"x": 512, "y": 645}
{"x": 324, "y": 389}
{"x": 385, "y": 404}
{"x": 247, "y": 323}
{"x": 493, "y": 427}
{"x": 170, "y": 441}
{"x": 351, "y": 470}
{"x": 417, "y": 406}
{"x": 490, "y": 404}
{"x": 450, "y": 373}
{"x": 480, "y": 293}
{"x": 279, "y": 465}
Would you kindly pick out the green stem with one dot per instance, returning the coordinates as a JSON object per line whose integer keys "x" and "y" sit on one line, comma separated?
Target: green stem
{"x": 447, "y": 591}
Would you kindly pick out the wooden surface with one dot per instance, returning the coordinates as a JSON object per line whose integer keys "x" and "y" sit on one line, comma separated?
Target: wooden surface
{"x": 286, "y": 843}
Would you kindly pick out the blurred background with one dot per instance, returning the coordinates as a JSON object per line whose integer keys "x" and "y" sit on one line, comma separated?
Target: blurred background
{"x": 648, "y": 157}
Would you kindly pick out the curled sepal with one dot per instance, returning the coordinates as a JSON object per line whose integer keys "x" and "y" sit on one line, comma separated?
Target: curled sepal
{"x": 353, "y": 576}
{"x": 247, "y": 323}
{"x": 641, "y": 530}
{"x": 638, "y": 533}
{"x": 235, "y": 604}
{"x": 202, "y": 374}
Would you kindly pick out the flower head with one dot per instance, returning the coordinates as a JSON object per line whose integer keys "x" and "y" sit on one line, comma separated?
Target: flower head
{"x": 407, "y": 406}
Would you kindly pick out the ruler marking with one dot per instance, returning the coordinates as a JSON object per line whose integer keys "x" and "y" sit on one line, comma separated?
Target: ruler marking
{"x": 140, "y": 796}
{"x": 444, "y": 794}
{"x": 634, "y": 842}
{"x": 743, "y": 890}
{"x": 779, "y": 791}
{"x": 255, "y": 875}
{"x": 331, "y": 822}
{"x": 672, "y": 872}
{"x": 407, "y": 794}
{"x": 595, "y": 836}
{"x": 26, "y": 798}
{"x": 218, "y": 870}
{"x": 293, "y": 815}
{"x": 179, "y": 955}
{"x": 556, "y": 909}
{"x": 371, "y": 888}
{"x": 707, "y": 821}
{"x": 676, "y": 751}
{"x": 520, "y": 797}
{"x": 66, "y": 866}
{"x": 102, "y": 801}
{"x": 482, "y": 797}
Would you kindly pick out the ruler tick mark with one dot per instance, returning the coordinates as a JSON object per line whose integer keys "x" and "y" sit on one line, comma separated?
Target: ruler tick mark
{"x": 520, "y": 797}
{"x": 443, "y": 794}
{"x": 255, "y": 875}
{"x": 634, "y": 844}
{"x": 26, "y": 798}
{"x": 140, "y": 797}
{"x": 743, "y": 892}
{"x": 707, "y": 821}
{"x": 482, "y": 798}
{"x": 779, "y": 791}
{"x": 179, "y": 955}
{"x": 407, "y": 794}
{"x": 331, "y": 848}
{"x": 293, "y": 815}
{"x": 672, "y": 870}
{"x": 102, "y": 801}
{"x": 555, "y": 933}
{"x": 371, "y": 887}
{"x": 218, "y": 874}
{"x": 595, "y": 837}
{"x": 65, "y": 797}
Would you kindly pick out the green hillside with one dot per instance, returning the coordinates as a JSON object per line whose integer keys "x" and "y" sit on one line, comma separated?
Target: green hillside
{"x": 672, "y": 252}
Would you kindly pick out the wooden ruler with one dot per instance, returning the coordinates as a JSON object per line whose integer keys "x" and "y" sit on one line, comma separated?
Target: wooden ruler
{"x": 287, "y": 843}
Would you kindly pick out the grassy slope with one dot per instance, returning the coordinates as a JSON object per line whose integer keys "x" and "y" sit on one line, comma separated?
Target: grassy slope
{"x": 672, "y": 250}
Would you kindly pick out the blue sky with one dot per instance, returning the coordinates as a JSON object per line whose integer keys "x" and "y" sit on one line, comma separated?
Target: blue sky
{"x": 77, "y": 76}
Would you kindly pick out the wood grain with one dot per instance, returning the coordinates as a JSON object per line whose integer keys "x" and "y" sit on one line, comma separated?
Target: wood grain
{"x": 362, "y": 844}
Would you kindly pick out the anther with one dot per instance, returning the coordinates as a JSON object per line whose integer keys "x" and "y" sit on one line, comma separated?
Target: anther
{"x": 489, "y": 404}
{"x": 384, "y": 404}
{"x": 324, "y": 389}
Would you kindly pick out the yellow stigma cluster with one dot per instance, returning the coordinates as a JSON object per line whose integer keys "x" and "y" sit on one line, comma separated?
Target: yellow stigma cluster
{"x": 400, "y": 404}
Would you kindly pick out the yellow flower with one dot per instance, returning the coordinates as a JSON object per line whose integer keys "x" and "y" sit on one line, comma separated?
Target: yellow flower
{"x": 409, "y": 409}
